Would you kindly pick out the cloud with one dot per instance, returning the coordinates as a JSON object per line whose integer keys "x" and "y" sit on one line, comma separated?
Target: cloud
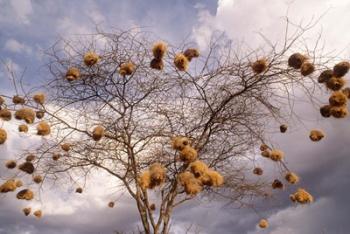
{"x": 22, "y": 9}
{"x": 14, "y": 46}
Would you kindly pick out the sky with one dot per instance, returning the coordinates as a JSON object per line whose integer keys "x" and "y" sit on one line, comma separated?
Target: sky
{"x": 27, "y": 28}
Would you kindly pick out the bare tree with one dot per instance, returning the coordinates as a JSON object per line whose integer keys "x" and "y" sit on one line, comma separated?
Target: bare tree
{"x": 217, "y": 111}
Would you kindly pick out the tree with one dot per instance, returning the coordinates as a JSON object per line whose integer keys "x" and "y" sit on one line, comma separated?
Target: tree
{"x": 166, "y": 120}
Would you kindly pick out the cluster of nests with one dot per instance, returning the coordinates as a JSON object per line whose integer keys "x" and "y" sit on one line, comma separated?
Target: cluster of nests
{"x": 181, "y": 60}
{"x": 28, "y": 210}
{"x": 334, "y": 81}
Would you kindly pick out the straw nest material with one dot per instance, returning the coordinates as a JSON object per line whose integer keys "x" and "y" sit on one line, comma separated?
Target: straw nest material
{"x": 325, "y": 111}
{"x": 3, "y": 136}
{"x": 198, "y": 168}
{"x": 338, "y": 98}
{"x": 157, "y": 174}
{"x": 157, "y": 64}
{"x": 179, "y": 143}
{"x": 25, "y": 194}
{"x": 111, "y": 204}
{"x": 191, "y": 53}
{"x": 263, "y": 223}
{"x": 296, "y": 60}
{"x": 39, "y": 98}
{"x": 2, "y": 101}
{"x": 259, "y": 66}
{"x": 18, "y": 100}
{"x": 346, "y": 91}
{"x": 10, "y": 164}
{"x": 266, "y": 153}
{"x": 23, "y": 128}
{"x": 38, "y": 214}
{"x": 98, "y": 133}
{"x": 72, "y": 74}
{"x": 276, "y": 155}
{"x": 26, "y": 211}
{"x": 277, "y": 184}
{"x": 339, "y": 111}
{"x": 283, "y": 128}
{"x": 26, "y": 114}
{"x": 292, "y": 177}
{"x": 30, "y": 158}
{"x": 340, "y": 69}
{"x": 258, "y": 171}
{"x": 79, "y": 190}
{"x": 126, "y": 69}
{"x": 301, "y": 196}
{"x": 192, "y": 186}
{"x": 27, "y": 167}
{"x": 325, "y": 76}
{"x": 152, "y": 206}
{"x": 56, "y": 156}
{"x": 181, "y": 62}
{"x": 19, "y": 183}
{"x": 37, "y": 179}
{"x": 144, "y": 180}
{"x": 43, "y": 128}
{"x": 216, "y": 178}
{"x": 188, "y": 154}
{"x": 8, "y": 186}
{"x": 5, "y": 115}
{"x": 66, "y": 147}
{"x": 316, "y": 135}
{"x": 39, "y": 114}
{"x": 159, "y": 49}
{"x": 335, "y": 84}
{"x": 91, "y": 58}
{"x": 263, "y": 147}
{"x": 307, "y": 68}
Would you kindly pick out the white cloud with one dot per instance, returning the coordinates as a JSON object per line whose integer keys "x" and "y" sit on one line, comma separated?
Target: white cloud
{"x": 15, "y": 46}
{"x": 23, "y": 9}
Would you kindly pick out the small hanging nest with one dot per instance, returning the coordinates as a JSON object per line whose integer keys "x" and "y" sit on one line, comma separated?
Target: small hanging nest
{"x": 283, "y": 128}
{"x": 263, "y": 223}
{"x": 79, "y": 190}
{"x": 198, "y": 168}
{"x": 144, "y": 180}
{"x": 159, "y": 49}
{"x": 338, "y": 98}
{"x": 43, "y": 128}
{"x": 73, "y": 74}
{"x": 266, "y": 153}
{"x": 191, "y": 53}
{"x": 8, "y": 186}
{"x": 181, "y": 62}
{"x": 346, "y": 92}
{"x": 23, "y": 128}
{"x": 65, "y": 147}
{"x": 301, "y": 196}
{"x": 157, "y": 64}
{"x": 325, "y": 76}
{"x": 339, "y": 111}
{"x": 292, "y": 177}
{"x": 18, "y": 100}
{"x": 19, "y": 183}
{"x": 325, "y": 111}
{"x": 38, "y": 214}
{"x": 111, "y": 204}
{"x": 192, "y": 186}
{"x": 157, "y": 174}
{"x": 98, "y": 133}
{"x": 26, "y": 211}
{"x": 259, "y": 66}
{"x": 27, "y": 167}
{"x": 188, "y": 154}
{"x": 3, "y": 136}
{"x": 5, "y": 115}
{"x": 263, "y": 147}
{"x": 40, "y": 114}
{"x": 30, "y": 158}
{"x": 307, "y": 68}
{"x": 276, "y": 155}
{"x": 216, "y": 178}
{"x": 296, "y": 60}
{"x": 37, "y": 179}
{"x": 152, "y": 207}
{"x": 25, "y": 194}
{"x": 126, "y": 69}
{"x": 26, "y": 114}
{"x": 11, "y": 164}
{"x": 179, "y": 143}
{"x": 258, "y": 171}
{"x": 91, "y": 58}
{"x": 56, "y": 156}
{"x": 39, "y": 98}
{"x": 335, "y": 84}
{"x": 277, "y": 184}
{"x": 340, "y": 69}
{"x": 316, "y": 135}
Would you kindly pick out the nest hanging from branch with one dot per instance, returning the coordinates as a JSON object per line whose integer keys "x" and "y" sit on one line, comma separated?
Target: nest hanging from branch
{"x": 263, "y": 223}
{"x": 39, "y": 98}
{"x": 26, "y": 211}
{"x": 38, "y": 179}
{"x": 40, "y": 114}
{"x": 66, "y": 147}
{"x": 340, "y": 69}
{"x": 27, "y": 167}
{"x": 26, "y": 114}
{"x": 339, "y": 111}
{"x": 111, "y": 204}
{"x": 296, "y": 60}
{"x": 56, "y": 156}
{"x": 277, "y": 184}
{"x": 30, "y": 158}
{"x": 181, "y": 62}
{"x": 43, "y": 128}
{"x": 198, "y": 168}
{"x": 5, "y": 115}
{"x": 301, "y": 196}
{"x": 157, "y": 174}
{"x": 25, "y": 194}
{"x": 192, "y": 186}
{"x": 38, "y": 214}
{"x": 325, "y": 76}
{"x": 159, "y": 49}
{"x": 91, "y": 58}
{"x": 325, "y": 111}
{"x": 307, "y": 68}
{"x": 292, "y": 177}
{"x": 259, "y": 66}
{"x": 18, "y": 100}
{"x": 346, "y": 92}
{"x": 191, "y": 53}
{"x": 338, "y": 98}
{"x": 73, "y": 74}
{"x": 79, "y": 190}
{"x": 157, "y": 64}
{"x": 11, "y": 164}
{"x": 276, "y": 155}
{"x": 8, "y": 186}
{"x": 126, "y": 69}
{"x": 98, "y": 133}
{"x": 316, "y": 135}
{"x": 258, "y": 171}
{"x": 23, "y": 128}
{"x": 335, "y": 84}
{"x": 283, "y": 128}
{"x": 3, "y": 136}
{"x": 179, "y": 143}
{"x": 188, "y": 154}
{"x": 19, "y": 183}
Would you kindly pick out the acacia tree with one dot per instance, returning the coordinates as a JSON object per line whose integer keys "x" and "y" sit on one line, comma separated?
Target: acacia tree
{"x": 165, "y": 119}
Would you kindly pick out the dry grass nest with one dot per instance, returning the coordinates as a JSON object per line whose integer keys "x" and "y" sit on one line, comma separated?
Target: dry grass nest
{"x": 5, "y": 115}
{"x": 325, "y": 111}
{"x": 296, "y": 60}
{"x": 66, "y": 147}
{"x": 340, "y": 69}
{"x": 56, "y": 156}
{"x": 25, "y": 194}
{"x": 179, "y": 142}
{"x": 192, "y": 186}
{"x": 43, "y": 128}
{"x": 283, "y": 128}
{"x": 263, "y": 223}
{"x": 339, "y": 111}
{"x": 152, "y": 206}
{"x": 73, "y": 74}
{"x": 346, "y": 91}
{"x": 23, "y": 128}
{"x": 181, "y": 62}
{"x": 19, "y": 183}
{"x": 338, "y": 98}
{"x": 79, "y": 190}
{"x": 8, "y": 186}
{"x": 40, "y": 114}
{"x": 301, "y": 196}
{"x": 39, "y": 98}
{"x": 27, "y": 167}
{"x": 335, "y": 83}
{"x": 98, "y": 133}
{"x": 277, "y": 184}
{"x": 91, "y": 58}
{"x": 38, "y": 214}
{"x": 37, "y": 179}
{"x": 30, "y": 158}
{"x": 259, "y": 66}
{"x": 307, "y": 68}
{"x": 18, "y": 100}
{"x": 198, "y": 168}
{"x": 154, "y": 176}
{"x": 191, "y": 53}
{"x": 325, "y": 76}
{"x": 188, "y": 154}
{"x": 276, "y": 155}
{"x": 126, "y": 69}
{"x": 157, "y": 64}
{"x": 26, "y": 114}
{"x": 11, "y": 164}
{"x": 111, "y": 204}
{"x": 266, "y": 153}
{"x": 27, "y": 211}
{"x": 258, "y": 171}
{"x": 159, "y": 49}
{"x": 316, "y": 135}
{"x": 3, "y": 136}
{"x": 263, "y": 147}
{"x": 292, "y": 177}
